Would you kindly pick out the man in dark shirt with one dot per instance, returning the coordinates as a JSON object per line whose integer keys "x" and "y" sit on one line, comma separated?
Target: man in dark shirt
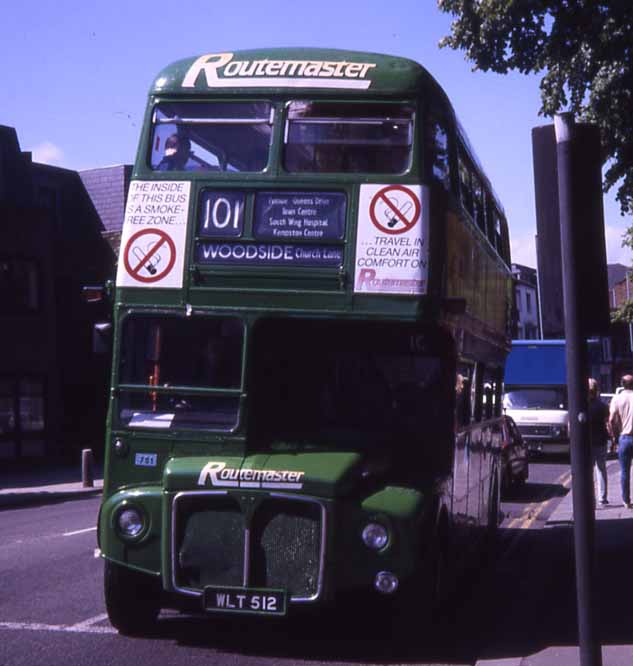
{"x": 598, "y": 419}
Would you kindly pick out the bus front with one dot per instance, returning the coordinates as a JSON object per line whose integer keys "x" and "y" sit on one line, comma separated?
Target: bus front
{"x": 280, "y": 425}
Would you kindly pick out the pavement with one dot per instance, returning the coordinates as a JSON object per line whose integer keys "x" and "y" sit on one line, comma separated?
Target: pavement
{"x": 558, "y": 655}
{"x": 43, "y": 485}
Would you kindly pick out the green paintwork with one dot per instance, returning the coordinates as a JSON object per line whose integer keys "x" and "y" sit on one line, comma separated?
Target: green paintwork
{"x": 324, "y": 474}
{"x": 391, "y": 75}
{"x": 143, "y": 554}
{"x": 334, "y": 477}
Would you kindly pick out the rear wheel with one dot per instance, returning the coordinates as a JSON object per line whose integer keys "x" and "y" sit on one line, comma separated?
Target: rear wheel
{"x": 132, "y": 599}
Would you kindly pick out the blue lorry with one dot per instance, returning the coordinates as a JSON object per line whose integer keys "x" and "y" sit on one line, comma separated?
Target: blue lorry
{"x": 535, "y": 394}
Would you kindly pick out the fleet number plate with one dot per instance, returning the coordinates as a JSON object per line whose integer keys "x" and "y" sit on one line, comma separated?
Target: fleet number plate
{"x": 245, "y": 600}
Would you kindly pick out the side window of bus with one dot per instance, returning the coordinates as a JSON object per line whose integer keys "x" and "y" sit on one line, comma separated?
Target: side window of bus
{"x": 492, "y": 392}
{"x": 465, "y": 184}
{"x": 437, "y": 147}
{"x": 477, "y": 389}
{"x": 478, "y": 202}
{"x": 490, "y": 220}
{"x": 504, "y": 247}
{"x": 463, "y": 395}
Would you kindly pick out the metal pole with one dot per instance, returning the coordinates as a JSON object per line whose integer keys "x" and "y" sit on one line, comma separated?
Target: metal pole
{"x": 576, "y": 354}
{"x": 628, "y": 297}
{"x": 87, "y": 471}
{"x": 538, "y": 294}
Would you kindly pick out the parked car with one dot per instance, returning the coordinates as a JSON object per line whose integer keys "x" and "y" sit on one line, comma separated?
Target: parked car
{"x": 606, "y": 398}
{"x": 514, "y": 456}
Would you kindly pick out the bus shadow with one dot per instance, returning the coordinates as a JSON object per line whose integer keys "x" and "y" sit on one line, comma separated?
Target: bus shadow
{"x": 535, "y": 492}
{"x": 517, "y": 604}
{"x": 361, "y": 637}
{"x": 531, "y": 603}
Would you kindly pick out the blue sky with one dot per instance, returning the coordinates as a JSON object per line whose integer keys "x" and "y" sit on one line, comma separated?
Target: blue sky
{"x": 75, "y": 76}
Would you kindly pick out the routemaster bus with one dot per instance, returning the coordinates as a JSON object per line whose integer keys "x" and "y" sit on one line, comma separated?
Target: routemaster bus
{"x": 311, "y": 317}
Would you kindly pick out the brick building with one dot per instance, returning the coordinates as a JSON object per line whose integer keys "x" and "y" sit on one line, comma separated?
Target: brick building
{"x": 52, "y": 387}
{"x": 108, "y": 188}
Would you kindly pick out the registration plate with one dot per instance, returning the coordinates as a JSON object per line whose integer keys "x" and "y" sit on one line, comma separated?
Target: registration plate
{"x": 245, "y": 600}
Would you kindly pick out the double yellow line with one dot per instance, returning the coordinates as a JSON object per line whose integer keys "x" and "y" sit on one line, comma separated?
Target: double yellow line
{"x": 534, "y": 510}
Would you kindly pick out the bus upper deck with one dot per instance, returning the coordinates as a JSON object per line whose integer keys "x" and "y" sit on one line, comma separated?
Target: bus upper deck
{"x": 262, "y": 175}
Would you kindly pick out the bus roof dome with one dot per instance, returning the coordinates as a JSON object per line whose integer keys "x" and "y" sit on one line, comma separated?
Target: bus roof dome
{"x": 290, "y": 68}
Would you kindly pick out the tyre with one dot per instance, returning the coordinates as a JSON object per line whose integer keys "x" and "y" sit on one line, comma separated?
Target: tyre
{"x": 132, "y": 599}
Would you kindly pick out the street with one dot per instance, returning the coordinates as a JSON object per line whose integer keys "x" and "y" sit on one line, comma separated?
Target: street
{"x": 52, "y": 610}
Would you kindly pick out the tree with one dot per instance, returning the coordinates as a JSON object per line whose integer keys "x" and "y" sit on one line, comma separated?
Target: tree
{"x": 585, "y": 50}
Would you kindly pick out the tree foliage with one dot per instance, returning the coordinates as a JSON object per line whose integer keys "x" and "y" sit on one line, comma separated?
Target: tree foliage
{"x": 624, "y": 314}
{"x": 584, "y": 48}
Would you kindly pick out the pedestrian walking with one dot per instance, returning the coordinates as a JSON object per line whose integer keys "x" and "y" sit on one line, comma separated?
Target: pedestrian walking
{"x": 621, "y": 424}
{"x": 599, "y": 435}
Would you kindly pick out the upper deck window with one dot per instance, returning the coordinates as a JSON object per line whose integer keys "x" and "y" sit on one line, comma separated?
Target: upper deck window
{"x": 335, "y": 137}
{"x": 218, "y": 136}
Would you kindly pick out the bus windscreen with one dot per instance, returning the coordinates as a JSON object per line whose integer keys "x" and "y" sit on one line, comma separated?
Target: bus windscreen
{"x": 337, "y": 137}
{"x": 165, "y": 362}
{"x": 218, "y": 136}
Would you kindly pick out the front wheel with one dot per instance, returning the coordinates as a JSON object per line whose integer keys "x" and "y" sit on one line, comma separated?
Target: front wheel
{"x": 132, "y": 599}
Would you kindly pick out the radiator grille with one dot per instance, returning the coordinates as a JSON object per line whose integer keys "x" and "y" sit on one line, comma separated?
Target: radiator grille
{"x": 211, "y": 545}
{"x": 284, "y": 550}
{"x": 287, "y": 546}
{"x": 534, "y": 430}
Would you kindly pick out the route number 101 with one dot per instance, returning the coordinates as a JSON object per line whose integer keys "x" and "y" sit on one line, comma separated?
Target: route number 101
{"x": 221, "y": 214}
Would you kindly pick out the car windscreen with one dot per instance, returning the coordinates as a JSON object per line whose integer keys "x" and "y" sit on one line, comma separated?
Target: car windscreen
{"x": 180, "y": 372}
{"x": 551, "y": 397}
{"x": 339, "y": 137}
{"x": 347, "y": 381}
{"x": 219, "y": 136}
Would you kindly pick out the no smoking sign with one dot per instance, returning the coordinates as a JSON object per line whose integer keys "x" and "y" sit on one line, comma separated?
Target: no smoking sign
{"x": 154, "y": 235}
{"x": 149, "y": 255}
{"x": 394, "y": 209}
{"x": 392, "y": 248}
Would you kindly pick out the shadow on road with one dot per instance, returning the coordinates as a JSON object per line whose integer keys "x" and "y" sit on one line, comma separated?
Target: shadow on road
{"x": 535, "y": 492}
{"x": 518, "y": 605}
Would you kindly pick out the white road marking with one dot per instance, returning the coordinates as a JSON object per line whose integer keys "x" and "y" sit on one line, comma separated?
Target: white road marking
{"x": 74, "y": 629}
{"x": 88, "y": 529}
{"x": 89, "y": 622}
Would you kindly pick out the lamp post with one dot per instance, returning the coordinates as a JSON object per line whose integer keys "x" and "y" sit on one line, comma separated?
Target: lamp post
{"x": 628, "y": 296}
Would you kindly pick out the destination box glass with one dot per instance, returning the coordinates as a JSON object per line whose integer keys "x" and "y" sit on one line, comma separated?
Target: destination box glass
{"x": 268, "y": 254}
{"x": 288, "y": 216}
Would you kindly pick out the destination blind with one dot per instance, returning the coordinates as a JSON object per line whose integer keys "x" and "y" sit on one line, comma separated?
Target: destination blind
{"x": 289, "y": 229}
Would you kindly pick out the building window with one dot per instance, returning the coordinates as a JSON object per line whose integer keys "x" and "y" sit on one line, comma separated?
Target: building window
{"x": 19, "y": 286}
{"x": 528, "y": 301}
{"x": 7, "y": 408}
{"x": 31, "y": 400}
{"x": 22, "y": 417}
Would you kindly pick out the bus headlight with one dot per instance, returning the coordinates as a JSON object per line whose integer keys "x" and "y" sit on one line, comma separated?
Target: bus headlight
{"x": 130, "y": 522}
{"x": 375, "y": 536}
{"x": 386, "y": 582}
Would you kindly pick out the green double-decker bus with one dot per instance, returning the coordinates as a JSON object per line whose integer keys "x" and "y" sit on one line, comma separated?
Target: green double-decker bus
{"x": 310, "y": 322}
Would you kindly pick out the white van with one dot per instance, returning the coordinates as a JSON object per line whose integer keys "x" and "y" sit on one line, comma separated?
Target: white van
{"x": 540, "y": 413}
